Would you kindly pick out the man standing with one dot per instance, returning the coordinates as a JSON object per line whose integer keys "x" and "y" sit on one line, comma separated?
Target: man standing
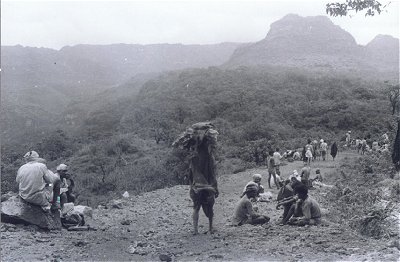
{"x": 272, "y": 170}
{"x": 348, "y": 138}
{"x": 334, "y": 150}
{"x": 305, "y": 175}
{"x": 34, "y": 181}
{"x": 324, "y": 148}
{"x": 200, "y": 141}
{"x": 277, "y": 159}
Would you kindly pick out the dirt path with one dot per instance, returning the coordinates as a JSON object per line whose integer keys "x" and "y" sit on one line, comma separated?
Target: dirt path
{"x": 159, "y": 223}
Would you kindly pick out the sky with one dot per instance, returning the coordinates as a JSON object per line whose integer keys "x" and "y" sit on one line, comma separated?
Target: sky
{"x": 56, "y": 23}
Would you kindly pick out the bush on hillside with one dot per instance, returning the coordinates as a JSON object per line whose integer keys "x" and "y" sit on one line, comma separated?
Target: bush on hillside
{"x": 358, "y": 196}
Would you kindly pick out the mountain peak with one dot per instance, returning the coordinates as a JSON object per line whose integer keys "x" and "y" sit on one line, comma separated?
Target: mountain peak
{"x": 383, "y": 41}
{"x": 312, "y": 42}
{"x": 316, "y": 28}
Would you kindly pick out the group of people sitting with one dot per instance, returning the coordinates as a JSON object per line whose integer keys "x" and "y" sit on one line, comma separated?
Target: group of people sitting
{"x": 299, "y": 208}
{"x": 40, "y": 186}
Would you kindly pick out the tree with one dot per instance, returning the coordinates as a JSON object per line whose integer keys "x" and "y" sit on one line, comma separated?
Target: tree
{"x": 394, "y": 94}
{"x": 354, "y": 6}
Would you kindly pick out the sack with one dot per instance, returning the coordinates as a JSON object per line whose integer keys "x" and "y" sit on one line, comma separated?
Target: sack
{"x": 195, "y": 134}
{"x": 72, "y": 219}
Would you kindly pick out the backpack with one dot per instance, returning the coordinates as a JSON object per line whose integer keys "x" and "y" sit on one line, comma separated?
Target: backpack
{"x": 72, "y": 219}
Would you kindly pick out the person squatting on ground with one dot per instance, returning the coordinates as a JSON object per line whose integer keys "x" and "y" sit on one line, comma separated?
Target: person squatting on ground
{"x": 244, "y": 212}
{"x": 201, "y": 141}
{"x": 66, "y": 186}
{"x": 305, "y": 211}
{"x": 286, "y": 195}
{"x": 272, "y": 170}
{"x": 256, "y": 180}
{"x": 34, "y": 183}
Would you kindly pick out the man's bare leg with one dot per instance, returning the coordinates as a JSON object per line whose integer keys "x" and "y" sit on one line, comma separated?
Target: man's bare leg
{"x": 196, "y": 220}
{"x": 210, "y": 223}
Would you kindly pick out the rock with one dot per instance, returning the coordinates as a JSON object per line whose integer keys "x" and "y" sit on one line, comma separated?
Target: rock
{"x": 126, "y": 222}
{"x": 17, "y": 211}
{"x": 7, "y": 196}
{"x": 346, "y": 191}
{"x": 165, "y": 257}
{"x": 80, "y": 243}
{"x": 116, "y": 204}
{"x": 84, "y": 210}
{"x": 125, "y": 195}
{"x": 394, "y": 243}
{"x": 216, "y": 256}
{"x": 131, "y": 249}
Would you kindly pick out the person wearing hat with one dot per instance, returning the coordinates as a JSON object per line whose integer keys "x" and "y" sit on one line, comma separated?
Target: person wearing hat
{"x": 35, "y": 180}
{"x": 66, "y": 186}
{"x": 256, "y": 180}
{"x": 244, "y": 212}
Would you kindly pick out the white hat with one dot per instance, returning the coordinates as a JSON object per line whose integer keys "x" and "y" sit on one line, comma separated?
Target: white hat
{"x": 321, "y": 141}
{"x": 31, "y": 154}
{"x": 257, "y": 177}
{"x": 62, "y": 167}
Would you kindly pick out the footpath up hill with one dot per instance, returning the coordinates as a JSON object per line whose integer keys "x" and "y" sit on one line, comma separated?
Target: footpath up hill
{"x": 158, "y": 225}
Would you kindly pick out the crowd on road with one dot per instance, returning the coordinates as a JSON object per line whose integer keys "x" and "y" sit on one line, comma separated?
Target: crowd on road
{"x": 52, "y": 191}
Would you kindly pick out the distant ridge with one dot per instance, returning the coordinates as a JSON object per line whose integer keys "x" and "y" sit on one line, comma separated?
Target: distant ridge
{"x": 315, "y": 42}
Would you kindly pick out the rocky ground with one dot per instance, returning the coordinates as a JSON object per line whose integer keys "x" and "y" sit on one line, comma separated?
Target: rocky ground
{"x": 157, "y": 226}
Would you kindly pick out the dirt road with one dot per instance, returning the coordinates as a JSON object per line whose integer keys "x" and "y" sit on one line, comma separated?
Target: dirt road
{"x": 158, "y": 225}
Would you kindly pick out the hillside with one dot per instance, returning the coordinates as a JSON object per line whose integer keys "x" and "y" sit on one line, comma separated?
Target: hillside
{"x": 159, "y": 223}
{"x": 45, "y": 89}
{"x": 111, "y": 132}
{"x": 42, "y": 88}
{"x": 317, "y": 43}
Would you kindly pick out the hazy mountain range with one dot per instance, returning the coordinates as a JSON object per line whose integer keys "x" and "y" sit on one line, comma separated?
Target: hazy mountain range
{"x": 43, "y": 88}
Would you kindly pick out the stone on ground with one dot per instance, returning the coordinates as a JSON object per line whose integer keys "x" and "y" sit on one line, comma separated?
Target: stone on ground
{"x": 17, "y": 211}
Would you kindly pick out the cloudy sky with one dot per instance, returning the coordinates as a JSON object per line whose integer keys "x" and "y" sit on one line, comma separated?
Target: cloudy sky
{"x": 56, "y": 23}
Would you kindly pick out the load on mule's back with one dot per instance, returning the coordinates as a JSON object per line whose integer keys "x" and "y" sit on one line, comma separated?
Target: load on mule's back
{"x": 200, "y": 140}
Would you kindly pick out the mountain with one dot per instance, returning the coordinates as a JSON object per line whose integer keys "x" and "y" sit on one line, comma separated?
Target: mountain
{"x": 41, "y": 87}
{"x": 383, "y": 50}
{"x": 316, "y": 43}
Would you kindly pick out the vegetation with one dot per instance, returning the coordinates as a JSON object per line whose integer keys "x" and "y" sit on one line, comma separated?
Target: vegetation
{"x": 365, "y": 197}
{"x": 254, "y": 109}
{"x": 371, "y": 7}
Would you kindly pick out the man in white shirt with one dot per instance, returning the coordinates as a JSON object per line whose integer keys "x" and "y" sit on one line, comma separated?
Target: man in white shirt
{"x": 277, "y": 159}
{"x": 34, "y": 180}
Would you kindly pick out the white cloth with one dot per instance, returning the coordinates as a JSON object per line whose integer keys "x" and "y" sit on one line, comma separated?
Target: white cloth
{"x": 32, "y": 178}
{"x": 277, "y": 158}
